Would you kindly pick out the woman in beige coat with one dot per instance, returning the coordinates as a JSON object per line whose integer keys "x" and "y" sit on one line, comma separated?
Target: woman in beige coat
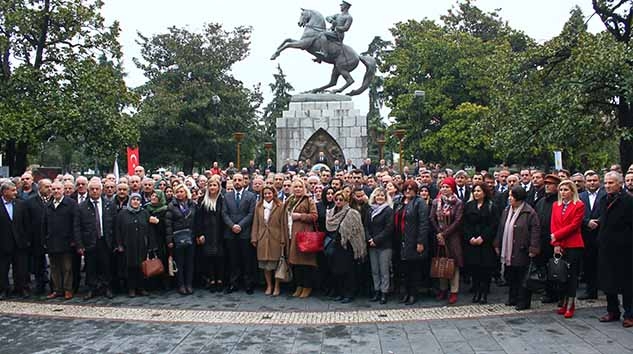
{"x": 268, "y": 235}
{"x": 301, "y": 215}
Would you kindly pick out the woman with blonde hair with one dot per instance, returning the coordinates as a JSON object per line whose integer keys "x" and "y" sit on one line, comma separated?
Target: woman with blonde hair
{"x": 179, "y": 224}
{"x": 301, "y": 215}
{"x": 566, "y": 237}
{"x": 379, "y": 235}
{"x": 268, "y": 235}
{"x": 209, "y": 229}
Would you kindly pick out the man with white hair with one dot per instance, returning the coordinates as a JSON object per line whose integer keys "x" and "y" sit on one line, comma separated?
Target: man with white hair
{"x": 615, "y": 273}
{"x": 36, "y": 207}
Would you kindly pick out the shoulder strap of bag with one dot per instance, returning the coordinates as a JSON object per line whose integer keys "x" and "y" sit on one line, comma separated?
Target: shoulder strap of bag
{"x": 339, "y": 224}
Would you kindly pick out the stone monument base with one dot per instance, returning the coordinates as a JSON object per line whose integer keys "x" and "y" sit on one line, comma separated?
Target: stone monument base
{"x": 325, "y": 123}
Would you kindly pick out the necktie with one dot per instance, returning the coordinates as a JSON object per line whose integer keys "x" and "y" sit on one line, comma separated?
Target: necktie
{"x": 238, "y": 198}
{"x": 81, "y": 199}
{"x": 461, "y": 192}
{"x": 97, "y": 219}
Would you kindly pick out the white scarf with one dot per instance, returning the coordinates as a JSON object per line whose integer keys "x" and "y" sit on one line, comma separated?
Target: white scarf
{"x": 268, "y": 207}
{"x": 508, "y": 235}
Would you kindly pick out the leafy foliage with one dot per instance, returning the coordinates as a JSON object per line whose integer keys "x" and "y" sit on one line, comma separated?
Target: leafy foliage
{"x": 191, "y": 103}
{"x": 281, "y": 99}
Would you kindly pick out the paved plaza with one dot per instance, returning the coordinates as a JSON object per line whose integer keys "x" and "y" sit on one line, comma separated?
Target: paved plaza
{"x": 238, "y": 323}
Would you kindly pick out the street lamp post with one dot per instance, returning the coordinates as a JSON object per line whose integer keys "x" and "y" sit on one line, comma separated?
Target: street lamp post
{"x": 238, "y": 136}
{"x": 381, "y": 146}
{"x": 268, "y": 147}
{"x": 399, "y": 133}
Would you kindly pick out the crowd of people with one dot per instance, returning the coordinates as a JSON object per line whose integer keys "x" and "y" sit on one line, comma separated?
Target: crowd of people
{"x": 383, "y": 229}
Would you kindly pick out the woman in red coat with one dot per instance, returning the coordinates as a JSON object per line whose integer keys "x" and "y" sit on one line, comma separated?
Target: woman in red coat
{"x": 566, "y": 223}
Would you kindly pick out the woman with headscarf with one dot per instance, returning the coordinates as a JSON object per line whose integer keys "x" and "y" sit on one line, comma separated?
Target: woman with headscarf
{"x": 179, "y": 224}
{"x": 268, "y": 235}
{"x": 134, "y": 240}
{"x": 345, "y": 226}
{"x": 209, "y": 229}
{"x": 325, "y": 274}
{"x": 157, "y": 208}
{"x": 379, "y": 235}
{"x": 446, "y": 217}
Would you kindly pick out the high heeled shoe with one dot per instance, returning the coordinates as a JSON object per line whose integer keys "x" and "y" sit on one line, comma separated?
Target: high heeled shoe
{"x": 570, "y": 311}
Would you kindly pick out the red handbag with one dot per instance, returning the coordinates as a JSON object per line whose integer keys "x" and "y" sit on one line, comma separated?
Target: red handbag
{"x": 310, "y": 241}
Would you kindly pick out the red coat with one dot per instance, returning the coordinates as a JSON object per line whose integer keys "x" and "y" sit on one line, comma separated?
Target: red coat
{"x": 567, "y": 228}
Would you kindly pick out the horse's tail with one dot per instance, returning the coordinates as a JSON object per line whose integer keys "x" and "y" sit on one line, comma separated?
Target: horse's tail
{"x": 370, "y": 65}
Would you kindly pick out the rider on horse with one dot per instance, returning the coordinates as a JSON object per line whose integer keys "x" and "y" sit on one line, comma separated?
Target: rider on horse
{"x": 341, "y": 23}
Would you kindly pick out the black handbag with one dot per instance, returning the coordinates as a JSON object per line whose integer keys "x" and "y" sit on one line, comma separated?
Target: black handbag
{"x": 183, "y": 238}
{"x": 557, "y": 269}
{"x": 536, "y": 277}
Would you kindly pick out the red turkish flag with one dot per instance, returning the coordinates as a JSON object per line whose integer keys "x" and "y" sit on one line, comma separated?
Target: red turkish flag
{"x": 132, "y": 160}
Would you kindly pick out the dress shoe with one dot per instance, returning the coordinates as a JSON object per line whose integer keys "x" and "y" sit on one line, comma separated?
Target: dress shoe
{"x": 23, "y": 293}
{"x": 89, "y": 295}
{"x": 588, "y": 295}
{"x": 347, "y": 300}
{"x": 404, "y": 298}
{"x": 376, "y": 297}
{"x": 229, "y": 289}
{"x": 50, "y": 296}
{"x": 3, "y": 296}
{"x": 484, "y": 299}
{"x": 570, "y": 311}
{"x": 249, "y": 291}
{"x": 627, "y": 323}
{"x": 182, "y": 290}
{"x": 383, "y": 298}
{"x": 68, "y": 295}
{"x": 131, "y": 293}
{"x": 108, "y": 293}
{"x": 297, "y": 291}
{"x": 305, "y": 293}
{"x": 410, "y": 301}
{"x": 212, "y": 288}
{"x": 561, "y": 310}
{"x": 476, "y": 298}
{"x": 610, "y": 317}
{"x": 452, "y": 298}
{"x": 189, "y": 290}
{"x": 143, "y": 292}
{"x": 441, "y": 295}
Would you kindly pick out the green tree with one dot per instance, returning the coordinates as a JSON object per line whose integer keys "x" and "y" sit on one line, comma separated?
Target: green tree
{"x": 375, "y": 123}
{"x": 191, "y": 102}
{"x": 281, "y": 89}
{"x": 60, "y": 77}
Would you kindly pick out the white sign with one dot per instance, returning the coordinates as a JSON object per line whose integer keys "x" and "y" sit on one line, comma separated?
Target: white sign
{"x": 558, "y": 160}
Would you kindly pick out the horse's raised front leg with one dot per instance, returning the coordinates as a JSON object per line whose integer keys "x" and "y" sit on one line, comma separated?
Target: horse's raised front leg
{"x": 333, "y": 80}
{"x": 349, "y": 80}
{"x": 300, "y": 44}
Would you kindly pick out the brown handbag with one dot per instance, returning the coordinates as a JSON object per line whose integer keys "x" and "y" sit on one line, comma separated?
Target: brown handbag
{"x": 283, "y": 272}
{"x": 152, "y": 267}
{"x": 442, "y": 267}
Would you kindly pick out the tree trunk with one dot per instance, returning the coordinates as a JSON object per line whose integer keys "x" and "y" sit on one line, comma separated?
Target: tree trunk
{"x": 187, "y": 167}
{"x": 20, "y": 158}
{"x": 625, "y": 120}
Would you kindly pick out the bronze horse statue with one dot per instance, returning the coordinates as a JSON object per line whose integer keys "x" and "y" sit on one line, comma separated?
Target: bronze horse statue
{"x": 343, "y": 57}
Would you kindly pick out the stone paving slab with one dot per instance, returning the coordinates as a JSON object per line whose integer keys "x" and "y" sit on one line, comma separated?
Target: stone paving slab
{"x": 536, "y": 332}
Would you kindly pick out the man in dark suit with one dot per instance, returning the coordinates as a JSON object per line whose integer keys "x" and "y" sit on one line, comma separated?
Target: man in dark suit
{"x": 61, "y": 232}
{"x": 537, "y": 190}
{"x": 269, "y": 166}
{"x": 591, "y": 197}
{"x": 368, "y": 168}
{"x": 463, "y": 191}
{"x": 349, "y": 166}
{"x": 80, "y": 195}
{"x": 96, "y": 223}
{"x": 14, "y": 240}
{"x": 321, "y": 159}
{"x": 238, "y": 210}
{"x": 36, "y": 207}
{"x": 544, "y": 210}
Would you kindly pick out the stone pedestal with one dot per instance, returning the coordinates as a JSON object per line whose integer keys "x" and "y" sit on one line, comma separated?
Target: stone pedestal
{"x": 321, "y": 122}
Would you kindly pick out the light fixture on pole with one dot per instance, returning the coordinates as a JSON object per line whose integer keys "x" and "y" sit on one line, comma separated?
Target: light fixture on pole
{"x": 238, "y": 136}
{"x": 381, "y": 146}
{"x": 268, "y": 147}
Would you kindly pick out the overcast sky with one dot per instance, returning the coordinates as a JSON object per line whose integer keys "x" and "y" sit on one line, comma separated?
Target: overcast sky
{"x": 273, "y": 21}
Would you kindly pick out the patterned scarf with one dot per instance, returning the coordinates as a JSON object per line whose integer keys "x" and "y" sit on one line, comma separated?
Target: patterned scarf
{"x": 445, "y": 205}
{"x": 350, "y": 227}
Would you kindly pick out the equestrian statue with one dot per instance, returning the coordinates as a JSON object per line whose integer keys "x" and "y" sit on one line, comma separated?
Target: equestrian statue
{"x": 327, "y": 46}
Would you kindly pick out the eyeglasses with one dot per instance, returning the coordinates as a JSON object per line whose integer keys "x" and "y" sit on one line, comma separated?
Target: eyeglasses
{"x": 339, "y": 199}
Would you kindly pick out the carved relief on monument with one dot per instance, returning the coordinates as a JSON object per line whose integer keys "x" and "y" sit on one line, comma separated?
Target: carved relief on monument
{"x": 321, "y": 140}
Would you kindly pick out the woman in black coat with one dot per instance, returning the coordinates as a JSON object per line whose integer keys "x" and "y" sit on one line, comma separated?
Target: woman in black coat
{"x": 179, "y": 223}
{"x": 134, "y": 239}
{"x": 379, "y": 235}
{"x": 209, "y": 228}
{"x": 328, "y": 285}
{"x": 480, "y": 226}
{"x": 157, "y": 209}
{"x": 411, "y": 230}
